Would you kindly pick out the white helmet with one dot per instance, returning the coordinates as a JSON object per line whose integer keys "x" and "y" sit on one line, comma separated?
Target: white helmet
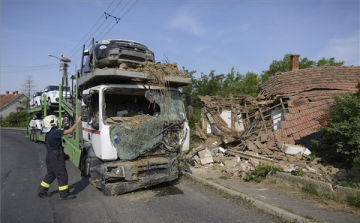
{"x": 49, "y": 122}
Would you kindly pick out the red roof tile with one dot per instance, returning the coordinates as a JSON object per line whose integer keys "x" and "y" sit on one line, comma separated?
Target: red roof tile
{"x": 310, "y": 92}
{"x": 6, "y": 99}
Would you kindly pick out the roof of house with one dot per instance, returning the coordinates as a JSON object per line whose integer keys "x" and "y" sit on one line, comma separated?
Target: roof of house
{"x": 6, "y": 99}
{"x": 310, "y": 93}
{"x": 322, "y": 78}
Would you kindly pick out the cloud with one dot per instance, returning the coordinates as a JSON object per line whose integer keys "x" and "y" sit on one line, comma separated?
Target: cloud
{"x": 241, "y": 28}
{"x": 346, "y": 49}
{"x": 184, "y": 20}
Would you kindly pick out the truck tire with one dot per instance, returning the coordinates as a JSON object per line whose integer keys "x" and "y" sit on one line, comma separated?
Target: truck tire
{"x": 30, "y": 136}
{"x": 35, "y": 135}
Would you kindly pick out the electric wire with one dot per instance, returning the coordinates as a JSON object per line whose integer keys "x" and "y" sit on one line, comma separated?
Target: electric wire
{"x": 47, "y": 65}
{"x": 99, "y": 36}
{"x": 21, "y": 71}
{"x": 120, "y": 18}
{"x": 93, "y": 34}
{"x": 90, "y": 30}
{"x": 102, "y": 23}
{"x": 90, "y": 37}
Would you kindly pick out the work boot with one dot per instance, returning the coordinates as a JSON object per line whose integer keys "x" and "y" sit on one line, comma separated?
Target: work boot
{"x": 44, "y": 195}
{"x": 68, "y": 197}
{"x": 43, "y": 192}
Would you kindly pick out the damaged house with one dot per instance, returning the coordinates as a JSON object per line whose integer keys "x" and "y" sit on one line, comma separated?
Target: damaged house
{"x": 308, "y": 93}
{"x": 278, "y": 125}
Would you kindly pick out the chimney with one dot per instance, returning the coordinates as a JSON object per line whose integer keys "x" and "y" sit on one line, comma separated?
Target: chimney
{"x": 7, "y": 92}
{"x": 16, "y": 92}
{"x": 294, "y": 62}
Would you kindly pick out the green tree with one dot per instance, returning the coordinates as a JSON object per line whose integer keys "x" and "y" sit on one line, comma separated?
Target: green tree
{"x": 250, "y": 84}
{"x": 284, "y": 65}
{"x": 16, "y": 119}
{"x": 341, "y": 136}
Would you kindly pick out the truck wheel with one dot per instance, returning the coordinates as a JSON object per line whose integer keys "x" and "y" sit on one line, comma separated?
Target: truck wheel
{"x": 35, "y": 136}
{"x": 32, "y": 135}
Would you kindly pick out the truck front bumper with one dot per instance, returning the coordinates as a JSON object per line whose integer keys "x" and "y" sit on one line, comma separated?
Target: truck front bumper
{"x": 123, "y": 177}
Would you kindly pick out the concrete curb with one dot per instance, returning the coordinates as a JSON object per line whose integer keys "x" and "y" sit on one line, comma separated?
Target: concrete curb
{"x": 324, "y": 188}
{"x": 266, "y": 207}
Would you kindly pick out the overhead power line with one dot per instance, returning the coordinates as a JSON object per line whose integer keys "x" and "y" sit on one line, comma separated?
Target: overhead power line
{"x": 106, "y": 29}
{"x": 81, "y": 41}
{"x": 120, "y": 18}
{"x": 47, "y": 65}
{"x": 22, "y": 71}
{"x": 91, "y": 36}
{"x": 107, "y": 15}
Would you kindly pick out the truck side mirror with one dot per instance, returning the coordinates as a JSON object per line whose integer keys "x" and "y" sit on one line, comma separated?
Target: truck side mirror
{"x": 190, "y": 112}
{"x": 87, "y": 99}
{"x": 86, "y": 113}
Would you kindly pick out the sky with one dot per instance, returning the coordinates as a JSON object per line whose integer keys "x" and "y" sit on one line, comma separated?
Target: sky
{"x": 200, "y": 35}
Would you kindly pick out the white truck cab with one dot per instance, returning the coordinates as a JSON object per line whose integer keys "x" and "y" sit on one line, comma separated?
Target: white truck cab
{"x": 124, "y": 108}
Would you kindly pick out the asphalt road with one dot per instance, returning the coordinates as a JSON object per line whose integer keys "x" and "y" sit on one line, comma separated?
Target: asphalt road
{"x": 23, "y": 167}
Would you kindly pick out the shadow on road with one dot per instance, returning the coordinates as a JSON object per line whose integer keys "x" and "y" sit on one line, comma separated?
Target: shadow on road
{"x": 79, "y": 186}
{"x": 76, "y": 187}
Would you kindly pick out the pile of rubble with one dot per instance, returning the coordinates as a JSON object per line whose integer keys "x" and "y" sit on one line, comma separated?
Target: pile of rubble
{"x": 237, "y": 164}
{"x": 276, "y": 127}
{"x": 248, "y": 132}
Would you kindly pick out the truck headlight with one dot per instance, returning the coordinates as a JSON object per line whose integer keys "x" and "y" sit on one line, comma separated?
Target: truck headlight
{"x": 120, "y": 170}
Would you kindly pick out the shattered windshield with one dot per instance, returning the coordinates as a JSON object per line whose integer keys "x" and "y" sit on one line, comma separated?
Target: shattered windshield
{"x": 138, "y": 118}
{"x": 126, "y": 104}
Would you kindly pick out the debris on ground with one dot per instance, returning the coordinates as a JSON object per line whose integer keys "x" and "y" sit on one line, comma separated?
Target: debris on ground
{"x": 276, "y": 128}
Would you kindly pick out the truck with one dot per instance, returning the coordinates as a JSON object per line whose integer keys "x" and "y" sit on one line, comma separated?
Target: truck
{"x": 36, "y": 115}
{"x": 134, "y": 127}
{"x": 35, "y": 125}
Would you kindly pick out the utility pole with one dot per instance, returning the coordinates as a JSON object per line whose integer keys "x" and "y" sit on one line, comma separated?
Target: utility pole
{"x": 64, "y": 65}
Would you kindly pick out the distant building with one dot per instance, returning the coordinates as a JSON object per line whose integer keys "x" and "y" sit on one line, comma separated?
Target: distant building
{"x": 9, "y": 103}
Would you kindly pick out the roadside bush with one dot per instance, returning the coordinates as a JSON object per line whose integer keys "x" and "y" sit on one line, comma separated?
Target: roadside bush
{"x": 260, "y": 173}
{"x": 341, "y": 137}
{"x": 15, "y": 119}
